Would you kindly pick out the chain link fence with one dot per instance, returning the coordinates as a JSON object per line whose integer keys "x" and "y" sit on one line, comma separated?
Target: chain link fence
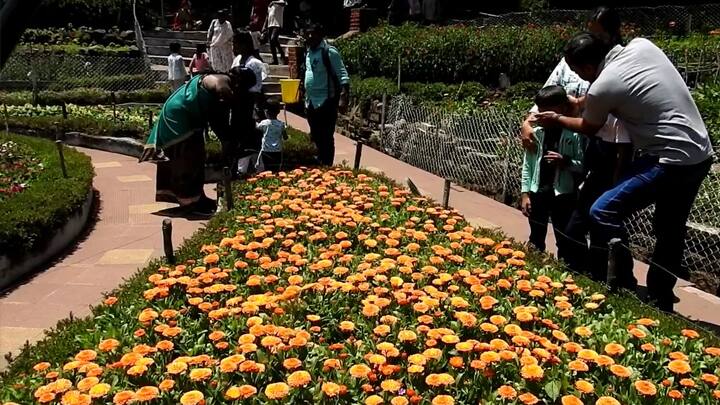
{"x": 58, "y": 72}
{"x": 482, "y": 151}
{"x": 639, "y": 21}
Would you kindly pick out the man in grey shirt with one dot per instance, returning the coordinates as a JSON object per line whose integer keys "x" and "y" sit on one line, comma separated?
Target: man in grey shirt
{"x": 640, "y": 86}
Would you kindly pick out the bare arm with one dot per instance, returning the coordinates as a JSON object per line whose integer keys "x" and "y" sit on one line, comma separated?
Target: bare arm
{"x": 575, "y": 124}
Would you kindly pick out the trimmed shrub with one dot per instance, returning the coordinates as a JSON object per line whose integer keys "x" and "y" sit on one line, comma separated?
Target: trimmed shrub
{"x": 29, "y": 217}
{"x": 86, "y": 96}
{"x": 458, "y": 53}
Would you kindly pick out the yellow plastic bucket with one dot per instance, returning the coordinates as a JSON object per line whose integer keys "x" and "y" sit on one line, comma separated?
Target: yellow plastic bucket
{"x": 290, "y": 89}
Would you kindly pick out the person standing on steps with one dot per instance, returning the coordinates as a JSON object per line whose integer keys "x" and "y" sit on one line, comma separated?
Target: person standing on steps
{"x": 220, "y": 38}
{"x": 176, "y": 67}
{"x": 274, "y": 24}
{"x": 642, "y": 88}
{"x": 327, "y": 90}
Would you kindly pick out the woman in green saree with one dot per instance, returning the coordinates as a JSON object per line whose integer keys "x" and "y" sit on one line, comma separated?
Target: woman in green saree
{"x": 177, "y": 142}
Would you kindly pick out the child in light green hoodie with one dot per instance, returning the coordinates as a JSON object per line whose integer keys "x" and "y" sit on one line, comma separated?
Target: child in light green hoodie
{"x": 551, "y": 173}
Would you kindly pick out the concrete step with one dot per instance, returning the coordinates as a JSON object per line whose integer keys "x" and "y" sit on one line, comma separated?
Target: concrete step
{"x": 165, "y": 42}
{"x": 165, "y": 51}
{"x": 177, "y": 35}
{"x": 269, "y": 87}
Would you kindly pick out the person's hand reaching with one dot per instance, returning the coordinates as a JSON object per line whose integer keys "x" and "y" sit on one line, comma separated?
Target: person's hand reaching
{"x": 554, "y": 158}
{"x": 525, "y": 204}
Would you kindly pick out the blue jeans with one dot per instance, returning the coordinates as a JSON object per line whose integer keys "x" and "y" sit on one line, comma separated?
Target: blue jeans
{"x": 673, "y": 190}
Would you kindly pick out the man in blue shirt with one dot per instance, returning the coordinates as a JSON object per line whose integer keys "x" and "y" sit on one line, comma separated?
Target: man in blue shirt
{"x": 327, "y": 88}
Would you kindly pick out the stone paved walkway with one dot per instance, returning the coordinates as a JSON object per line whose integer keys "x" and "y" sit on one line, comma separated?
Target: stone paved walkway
{"x": 485, "y": 212}
{"x": 126, "y": 235}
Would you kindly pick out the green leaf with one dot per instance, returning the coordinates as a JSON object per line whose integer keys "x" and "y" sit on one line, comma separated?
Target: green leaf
{"x": 552, "y": 389}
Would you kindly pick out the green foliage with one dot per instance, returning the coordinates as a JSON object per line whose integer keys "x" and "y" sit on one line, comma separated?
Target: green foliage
{"x": 75, "y": 49}
{"x": 457, "y": 53}
{"x": 78, "y": 36}
{"x": 534, "y": 5}
{"x": 86, "y": 96}
{"x": 30, "y": 216}
{"x": 98, "y": 13}
{"x": 708, "y": 102}
{"x": 109, "y": 83}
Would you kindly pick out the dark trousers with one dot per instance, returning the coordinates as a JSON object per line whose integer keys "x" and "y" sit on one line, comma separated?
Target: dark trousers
{"x": 322, "y": 130}
{"x": 592, "y": 261}
{"x": 673, "y": 190}
{"x": 275, "y": 46}
{"x": 545, "y": 207}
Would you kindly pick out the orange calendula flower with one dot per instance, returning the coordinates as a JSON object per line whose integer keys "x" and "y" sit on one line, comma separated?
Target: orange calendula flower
{"x": 528, "y": 399}
{"x": 584, "y": 386}
{"x": 299, "y": 379}
{"x": 374, "y": 400}
{"x": 192, "y": 398}
{"x": 570, "y": 400}
{"x": 124, "y": 397}
{"x": 391, "y": 386}
{"x": 331, "y": 389}
{"x": 679, "y": 367}
{"x": 507, "y": 392}
{"x": 645, "y": 388}
{"x": 147, "y": 393}
{"x": 277, "y": 390}
{"x": 607, "y": 401}
{"x": 200, "y": 374}
{"x": 620, "y": 371}
{"x": 443, "y": 400}
{"x": 532, "y": 372}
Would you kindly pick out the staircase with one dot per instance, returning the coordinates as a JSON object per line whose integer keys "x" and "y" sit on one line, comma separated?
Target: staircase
{"x": 157, "y": 45}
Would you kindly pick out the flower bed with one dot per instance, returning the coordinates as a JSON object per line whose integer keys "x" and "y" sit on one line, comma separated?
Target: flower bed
{"x": 18, "y": 167}
{"x": 29, "y": 217}
{"x": 331, "y": 287}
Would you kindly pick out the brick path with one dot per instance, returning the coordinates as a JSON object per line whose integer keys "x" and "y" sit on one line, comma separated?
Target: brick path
{"x": 125, "y": 237}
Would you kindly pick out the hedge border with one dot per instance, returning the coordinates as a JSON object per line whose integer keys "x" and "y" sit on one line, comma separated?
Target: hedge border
{"x": 60, "y": 342}
{"x": 31, "y": 218}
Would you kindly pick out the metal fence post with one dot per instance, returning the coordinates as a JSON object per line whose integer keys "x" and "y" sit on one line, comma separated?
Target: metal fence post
{"x": 446, "y": 194}
{"x": 114, "y": 107}
{"x": 382, "y": 115}
{"x": 59, "y": 144}
{"x": 399, "y": 70}
{"x": 358, "y": 154}
{"x": 167, "y": 240}
{"x": 227, "y": 189}
{"x": 506, "y": 173}
{"x": 150, "y": 120}
{"x": 7, "y": 125}
{"x": 613, "y": 246}
{"x": 63, "y": 107}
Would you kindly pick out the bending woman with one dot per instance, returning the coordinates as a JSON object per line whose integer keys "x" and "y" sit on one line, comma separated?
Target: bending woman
{"x": 179, "y": 134}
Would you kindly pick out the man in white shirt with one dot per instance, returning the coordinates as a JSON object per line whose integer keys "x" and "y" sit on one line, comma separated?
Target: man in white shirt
{"x": 244, "y": 49}
{"x": 640, "y": 86}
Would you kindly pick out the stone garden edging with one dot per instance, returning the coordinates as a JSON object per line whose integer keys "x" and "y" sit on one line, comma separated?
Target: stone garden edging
{"x": 16, "y": 268}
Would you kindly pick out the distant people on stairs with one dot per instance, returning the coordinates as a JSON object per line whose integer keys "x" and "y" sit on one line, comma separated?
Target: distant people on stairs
{"x": 220, "y": 38}
{"x": 200, "y": 62}
{"x": 176, "y": 67}
{"x": 274, "y": 24}
{"x": 327, "y": 89}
